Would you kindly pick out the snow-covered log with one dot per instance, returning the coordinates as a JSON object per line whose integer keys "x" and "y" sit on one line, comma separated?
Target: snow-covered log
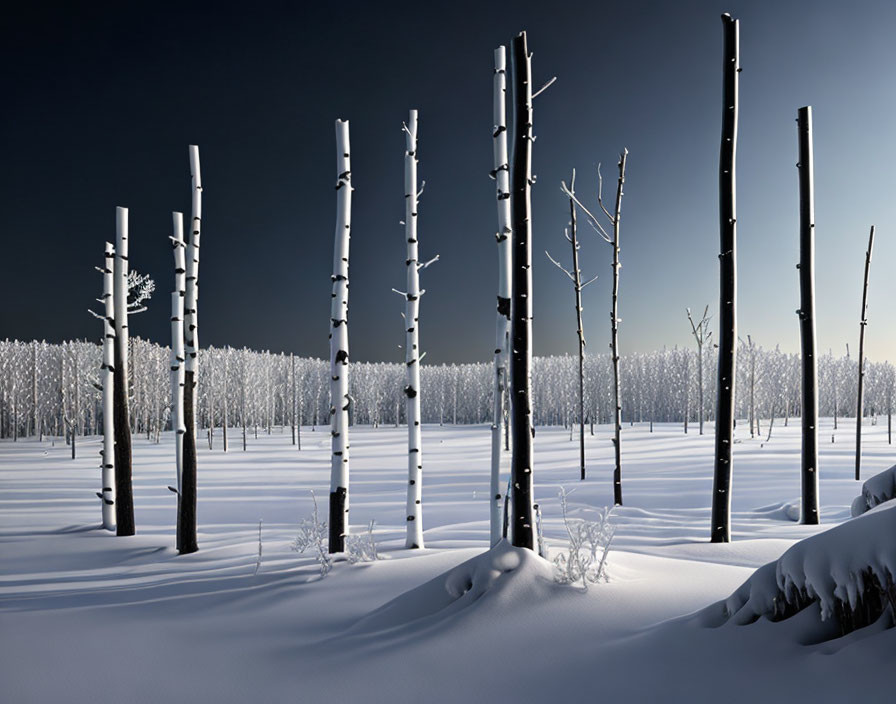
{"x": 108, "y": 453}
{"x": 523, "y": 516}
{"x": 501, "y": 175}
{"x": 720, "y": 529}
{"x": 880, "y": 488}
{"x": 124, "y": 496}
{"x": 339, "y": 363}
{"x": 177, "y": 346}
{"x": 846, "y": 573}
{"x": 186, "y": 523}
{"x": 806, "y": 312}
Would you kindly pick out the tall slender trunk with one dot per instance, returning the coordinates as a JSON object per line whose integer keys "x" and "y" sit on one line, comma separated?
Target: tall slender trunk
{"x": 177, "y": 352}
{"x": 413, "y": 510}
{"x": 523, "y": 518}
{"x": 108, "y": 452}
{"x": 292, "y": 389}
{"x": 339, "y": 360}
{"x": 720, "y": 529}
{"x": 860, "y": 401}
{"x": 809, "y": 396}
{"x": 186, "y": 533}
{"x": 225, "y": 400}
{"x": 502, "y": 322}
{"x": 614, "y": 336}
{"x": 124, "y": 497}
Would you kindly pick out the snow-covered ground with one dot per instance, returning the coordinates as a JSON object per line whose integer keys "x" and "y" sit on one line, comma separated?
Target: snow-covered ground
{"x": 88, "y": 617}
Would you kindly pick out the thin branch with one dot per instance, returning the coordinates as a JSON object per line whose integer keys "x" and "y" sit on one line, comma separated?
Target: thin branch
{"x": 560, "y": 267}
{"x": 421, "y": 267}
{"x": 544, "y": 88}
{"x": 589, "y": 281}
{"x": 591, "y": 219}
{"x": 600, "y": 195}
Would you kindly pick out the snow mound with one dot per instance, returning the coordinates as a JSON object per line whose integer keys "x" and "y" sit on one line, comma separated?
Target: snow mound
{"x": 781, "y": 511}
{"x": 492, "y": 585}
{"x": 846, "y": 572}
{"x": 880, "y": 488}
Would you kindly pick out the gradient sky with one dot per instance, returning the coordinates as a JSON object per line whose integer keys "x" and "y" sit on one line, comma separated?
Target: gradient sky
{"x": 101, "y": 101}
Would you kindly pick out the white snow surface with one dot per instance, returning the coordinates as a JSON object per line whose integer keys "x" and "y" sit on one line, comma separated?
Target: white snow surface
{"x": 89, "y": 617}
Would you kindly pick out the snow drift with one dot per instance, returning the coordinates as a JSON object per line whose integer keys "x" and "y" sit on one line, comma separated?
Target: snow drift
{"x": 846, "y": 573}
{"x": 880, "y": 488}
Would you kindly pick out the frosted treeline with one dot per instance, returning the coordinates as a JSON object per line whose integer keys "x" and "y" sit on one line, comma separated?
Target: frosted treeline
{"x": 53, "y": 389}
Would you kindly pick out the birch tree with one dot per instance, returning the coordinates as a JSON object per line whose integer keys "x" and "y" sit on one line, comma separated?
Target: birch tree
{"x": 107, "y": 454}
{"x": 411, "y": 315}
{"x": 863, "y": 322}
{"x": 501, "y": 175}
{"x": 720, "y": 527}
{"x": 124, "y": 497}
{"x": 186, "y": 517}
{"x": 339, "y": 360}
{"x": 177, "y": 376}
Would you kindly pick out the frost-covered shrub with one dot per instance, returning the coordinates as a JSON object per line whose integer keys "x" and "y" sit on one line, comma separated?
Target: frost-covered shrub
{"x": 361, "y": 548}
{"x": 589, "y": 544}
{"x": 312, "y": 535}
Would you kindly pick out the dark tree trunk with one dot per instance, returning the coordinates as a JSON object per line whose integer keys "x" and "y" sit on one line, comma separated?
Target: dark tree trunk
{"x": 186, "y": 517}
{"x": 614, "y": 336}
{"x": 809, "y": 392}
{"x": 721, "y": 491}
{"x": 124, "y": 496}
{"x": 860, "y": 402}
{"x": 523, "y": 519}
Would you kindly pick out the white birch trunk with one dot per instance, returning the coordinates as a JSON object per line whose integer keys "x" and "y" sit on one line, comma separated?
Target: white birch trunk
{"x": 108, "y": 453}
{"x": 191, "y": 299}
{"x": 502, "y": 326}
{"x": 414, "y": 538}
{"x": 177, "y": 344}
{"x": 339, "y": 360}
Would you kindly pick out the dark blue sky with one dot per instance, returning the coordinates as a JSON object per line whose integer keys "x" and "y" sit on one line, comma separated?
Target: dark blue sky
{"x": 101, "y": 101}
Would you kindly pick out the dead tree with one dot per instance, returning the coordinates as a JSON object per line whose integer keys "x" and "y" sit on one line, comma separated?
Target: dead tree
{"x": 806, "y": 312}
{"x": 702, "y": 335}
{"x": 614, "y": 218}
{"x": 720, "y": 529}
{"x": 860, "y": 402}
{"x": 576, "y": 277}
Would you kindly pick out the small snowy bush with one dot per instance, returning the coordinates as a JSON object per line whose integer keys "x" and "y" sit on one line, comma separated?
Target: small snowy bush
{"x": 589, "y": 544}
{"x": 313, "y": 536}
{"x": 361, "y": 548}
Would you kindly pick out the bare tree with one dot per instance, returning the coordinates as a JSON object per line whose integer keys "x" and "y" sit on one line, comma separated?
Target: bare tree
{"x": 614, "y": 220}
{"x": 702, "y": 335}
{"x": 339, "y": 364}
{"x": 411, "y": 315}
{"x": 124, "y": 497}
{"x": 186, "y": 523}
{"x": 860, "y": 403}
{"x": 806, "y": 312}
{"x": 523, "y": 517}
{"x": 501, "y": 174}
{"x": 177, "y": 376}
{"x": 576, "y": 277}
{"x": 720, "y": 529}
